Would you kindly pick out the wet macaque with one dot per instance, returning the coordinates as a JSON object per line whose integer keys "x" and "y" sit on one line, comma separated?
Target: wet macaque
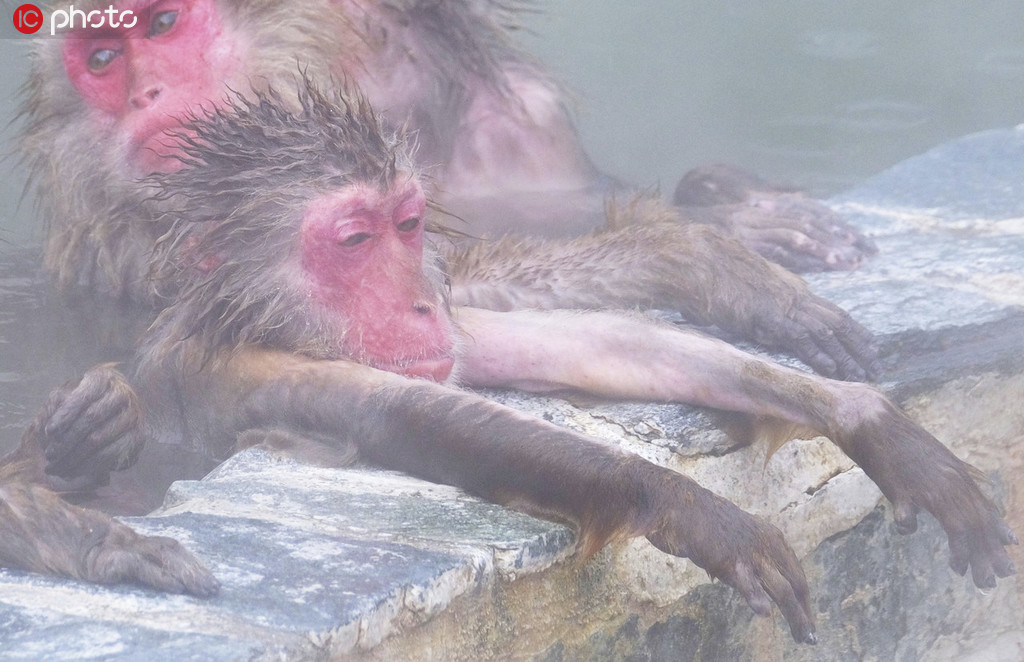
{"x": 101, "y": 106}
{"x": 310, "y": 314}
{"x": 493, "y": 125}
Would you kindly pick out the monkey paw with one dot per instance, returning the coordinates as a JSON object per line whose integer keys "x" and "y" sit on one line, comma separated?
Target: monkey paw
{"x": 90, "y": 427}
{"x": 800, "y": 234}
{"x": 743, "y": 551}
{"x": 123, "y": 556}
{"x": 820, "y": 334}
{"x": 917, "y": 472}
{"x": 780, "y": 223}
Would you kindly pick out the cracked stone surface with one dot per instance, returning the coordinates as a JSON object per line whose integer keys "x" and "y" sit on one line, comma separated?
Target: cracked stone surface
{"x": 369, "y": 563}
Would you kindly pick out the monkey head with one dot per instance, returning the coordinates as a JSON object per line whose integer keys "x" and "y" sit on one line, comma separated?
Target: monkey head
{"x": 302, "y": 230}
{"x": 142, "y": 78}
{"x": 130, "y": 82}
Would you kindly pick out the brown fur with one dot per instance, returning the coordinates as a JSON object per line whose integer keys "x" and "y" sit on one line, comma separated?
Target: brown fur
{"x": 43, "y": 533}
{"x": 268, "y": 378}
{"x": 459, "y": 50}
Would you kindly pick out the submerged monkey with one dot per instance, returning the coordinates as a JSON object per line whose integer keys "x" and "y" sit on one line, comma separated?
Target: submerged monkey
{"x": 308, "y": 311}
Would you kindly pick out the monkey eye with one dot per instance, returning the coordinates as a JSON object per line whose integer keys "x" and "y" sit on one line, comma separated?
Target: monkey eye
{"x": 355, "y": 239}
{"x": 100, "y": 58}
{"x": 409, "y": 224}
{"x": 162, "y": 22}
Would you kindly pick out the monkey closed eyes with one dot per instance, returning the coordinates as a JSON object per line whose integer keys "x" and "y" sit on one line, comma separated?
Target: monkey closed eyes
{"x": 307, "y": 307}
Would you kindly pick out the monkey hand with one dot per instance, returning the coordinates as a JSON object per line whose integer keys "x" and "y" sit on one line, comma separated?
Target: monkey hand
{"x": 90, "y": 427}
{"x": 743, "y": 551}
{"x": 798, "y": 233}
{"x": 816, "y": 331}
{"x": 915, "y": 471}
{"x": 43, "y": 533}
{"x": 124, "y": 556}
{"x": 780, "y": 223}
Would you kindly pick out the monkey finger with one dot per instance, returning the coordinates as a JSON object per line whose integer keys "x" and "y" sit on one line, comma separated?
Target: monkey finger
{"x": 797, "y": 339}
{"x": 1003, "y": 565}
{"x": 113, "y": 425}
{"x": 155, "y": 561}
{"x": 828, "y": 253}
{"x": 62, "y": 409}
{"x": 959, "y": 554}
{"x": 849, "y": 344}
{"x": 770, "y": 572}
{"x": 1007, "y": 536}
{"x": 745, "y": 580}
{"x": 100, "y": 393}
{"x": 982, "y": 574}
{"x": 111, "y": 410}
{"x": 905, "y": 515}
{"x": 792, "y": 595}
{"x": 861, "y": 345}
{"x": 174, "y": 569}
{"x": 111, "y": 446}
{"x": 761, "y": 589}
{"x": 992, "y": 555}
{"x": 822, "y": 223}
{"x": 846, "y": 365}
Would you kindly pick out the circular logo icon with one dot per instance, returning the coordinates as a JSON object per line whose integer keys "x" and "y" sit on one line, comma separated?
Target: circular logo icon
{"x": 28, "y": 19}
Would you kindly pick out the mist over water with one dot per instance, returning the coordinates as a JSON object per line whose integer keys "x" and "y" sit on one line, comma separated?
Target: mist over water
{"x": 812, "y": 92}
{"x": 815, "y": 92}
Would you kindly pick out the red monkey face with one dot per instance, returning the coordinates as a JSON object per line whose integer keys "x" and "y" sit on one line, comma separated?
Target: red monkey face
{"x": 361, "y": 249}
{"x": 139, "y": 81}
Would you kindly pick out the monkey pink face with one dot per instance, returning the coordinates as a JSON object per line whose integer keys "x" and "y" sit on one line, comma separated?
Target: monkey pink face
{"x": 140, "y": 81}
{"x": 362, "y": 251}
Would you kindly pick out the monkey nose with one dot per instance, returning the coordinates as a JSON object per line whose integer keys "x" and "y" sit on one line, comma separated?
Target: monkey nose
{"x": 146, "y": 97}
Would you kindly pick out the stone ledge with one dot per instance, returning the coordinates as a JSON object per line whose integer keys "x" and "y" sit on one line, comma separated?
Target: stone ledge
{"x": 367, "y": 563}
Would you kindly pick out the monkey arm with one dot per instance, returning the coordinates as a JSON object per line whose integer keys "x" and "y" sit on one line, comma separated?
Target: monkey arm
{"x": 460, "y": 438}
{"x": 693, "y": 269}
{"x": 43, "y": 533}
{"x": 627, "y": 358}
